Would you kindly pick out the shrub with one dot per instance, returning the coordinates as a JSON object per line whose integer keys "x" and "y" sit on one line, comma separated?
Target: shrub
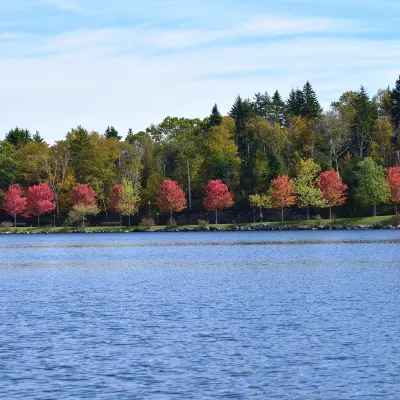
{"x": 397, "y": 219}
{"x": 202, "y": 223}
{"x": 5, "y": 226}
{"x": 147, "y": 223}
{"x": 318, "y": 219}
{"x": 171, "y": 224}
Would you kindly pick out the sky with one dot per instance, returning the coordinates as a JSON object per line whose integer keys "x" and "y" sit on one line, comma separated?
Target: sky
{"x": 129, "y": 63}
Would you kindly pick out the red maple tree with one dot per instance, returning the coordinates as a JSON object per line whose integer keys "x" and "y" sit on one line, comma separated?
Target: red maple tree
{"x": 171, "y": 197}
{"x": 115, "y": 198}
{"x": 84, "y": 195}
{"x": 333, "y": 189}
{"x": 14, "y": 202}
{"x": 218, "y": 197}
{"x": 393, "y": 178}
{"x": 282, "y": 193}
{"x": 40, "y": 200}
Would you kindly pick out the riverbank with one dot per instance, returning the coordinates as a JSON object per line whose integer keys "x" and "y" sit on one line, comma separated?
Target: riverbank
{"x": 380, "y": 222}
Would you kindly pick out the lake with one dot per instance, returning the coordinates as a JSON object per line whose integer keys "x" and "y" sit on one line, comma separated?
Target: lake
{"x": 240, "y": 315}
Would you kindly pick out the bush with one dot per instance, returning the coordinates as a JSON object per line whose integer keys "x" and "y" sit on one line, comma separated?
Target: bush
{"x": 318, "y": 219}
{"x": 147, "y": 223}
{"x": 5, "y": 226}
{"x": 202, "y": 223}
{"x": 397, "y": 219}
{"x": 171, "y": 224}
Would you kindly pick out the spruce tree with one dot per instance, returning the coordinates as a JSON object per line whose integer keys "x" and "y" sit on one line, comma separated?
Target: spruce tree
{"x": 295, "y": 103}
{"x": 278, "y": 108}
{"x": 311, "y": 108}
{"x": 81, "y": 153}
{"x": 215, "y": 117}
{"x": 37, "y": 138}
{"x": 111, "y": 132}
{"x": 18, "y": 137}
{"x": 395, "y": 113}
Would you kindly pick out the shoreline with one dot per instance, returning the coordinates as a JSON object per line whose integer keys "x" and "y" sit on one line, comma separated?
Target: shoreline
{"x": 246, "y": 228}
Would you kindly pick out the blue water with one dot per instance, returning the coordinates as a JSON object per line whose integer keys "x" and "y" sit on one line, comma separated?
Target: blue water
{"x": 282, "y": 315}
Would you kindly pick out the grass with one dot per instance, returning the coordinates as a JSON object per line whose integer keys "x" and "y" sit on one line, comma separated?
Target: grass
{"x": 386, "y": 219}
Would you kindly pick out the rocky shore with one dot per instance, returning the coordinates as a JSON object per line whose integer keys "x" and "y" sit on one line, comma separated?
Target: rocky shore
{"x": 249, "y": 228}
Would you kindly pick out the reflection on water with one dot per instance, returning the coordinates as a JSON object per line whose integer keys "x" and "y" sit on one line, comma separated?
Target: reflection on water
{"x": 310, "y": 315}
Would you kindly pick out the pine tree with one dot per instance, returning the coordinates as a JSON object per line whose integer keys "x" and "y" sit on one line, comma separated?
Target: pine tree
{"x": 395, "y": 112}
{"x": 311, "y": 108}
{"x": 215, "y": 117}
{"x": 262, "y": 105}
{"x": 278, "y": 109}
{"x": 81, "y": 152}
{"x": 18, "y": 137}
{"x": 111, "y": 132}
{"x": 37, "y": 138}
{"x": 295, "y": 103}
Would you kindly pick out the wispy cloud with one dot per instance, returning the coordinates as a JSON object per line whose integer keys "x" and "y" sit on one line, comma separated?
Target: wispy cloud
{"x": 66, "y": 5}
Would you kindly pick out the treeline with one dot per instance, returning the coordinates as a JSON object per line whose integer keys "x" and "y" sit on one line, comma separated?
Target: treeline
{"x": 261, "y": 140}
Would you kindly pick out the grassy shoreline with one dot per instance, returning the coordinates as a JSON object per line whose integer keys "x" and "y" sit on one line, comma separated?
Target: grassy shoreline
{"x": 363, "y": 221}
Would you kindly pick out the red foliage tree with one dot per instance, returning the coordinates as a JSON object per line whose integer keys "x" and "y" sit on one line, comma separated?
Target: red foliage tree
{"x": 14, "y": 202}
{"x": 393, "y": 178}
{"x": 218, "y": 197}
{"x": 282, "y": 193}
{"x": 333, "y": 190}
{"x": 171, "y": 197}
{"x": 115, "y": 198}
{"x": 40, "y": 200}
{"x": 84, "y": 195}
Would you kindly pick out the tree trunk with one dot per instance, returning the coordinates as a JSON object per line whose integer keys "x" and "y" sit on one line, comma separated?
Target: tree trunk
{"x": 170, "y": 213}
{"x": 330, "y": 212}
{"x": 15, "y": 218}
{"x": 38, "y": 220}
{"x": 261, "y": 215}
{"x": 216, "y": 216}
{"x": 374, "y": 208}
{"x": 396, "y": 208}
{"x": 282, "y": 213}
{"x": 189, "y": 188}
{"x": 129, "y": 220}
{"x": 308, "y": 212}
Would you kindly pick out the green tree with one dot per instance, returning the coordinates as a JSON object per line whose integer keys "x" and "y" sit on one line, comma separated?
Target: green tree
{"x": 9, "y": 167}
{"x": 215, "y": 117}
{"x": 260, "y": 201}
{"x": 395, "y": 113}
{"x": 81, "y": 152}
{"x": 311, "y": 108}
{"x": 129, "y": 198}
{"x": 18, "y": 137}
{"x": 372, "y": 187}
{"x": 111, "y": 133}
{"x": 306, "y": 185}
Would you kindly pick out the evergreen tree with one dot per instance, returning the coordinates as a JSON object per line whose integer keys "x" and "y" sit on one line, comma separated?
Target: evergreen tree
{"x": 295, "y": 104}
{"x": 241, "y": 111}
{"x": 262, "y": 105}
{"x": 311, "y": 108}
{"x": 363, "y": 123}
{"x": 81, "y": 153}
{"x": 111, "y": 132}
{"x": 37, "y": 138}
{"x": 278, "y": 109}
{"x": 18, "y": 137}
{"x": 395, "y": 112}
{"x": 215, "y": 117}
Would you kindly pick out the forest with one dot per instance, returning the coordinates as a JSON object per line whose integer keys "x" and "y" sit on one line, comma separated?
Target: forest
{"x": 271, "y": 156}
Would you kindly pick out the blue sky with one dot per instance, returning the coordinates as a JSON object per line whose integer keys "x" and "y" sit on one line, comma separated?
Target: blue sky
{"x": 65, "y": 63}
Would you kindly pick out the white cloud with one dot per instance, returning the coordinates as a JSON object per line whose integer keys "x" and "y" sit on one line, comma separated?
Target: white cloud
{"x": 136, "y": 76}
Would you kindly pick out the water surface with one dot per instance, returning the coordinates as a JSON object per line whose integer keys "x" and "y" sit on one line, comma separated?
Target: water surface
{"x": 296, "y": 315}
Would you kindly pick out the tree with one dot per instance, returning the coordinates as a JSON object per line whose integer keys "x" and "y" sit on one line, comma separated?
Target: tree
{"x": 18, "y": 137}
{"x": 395, "y": 113}
{"x": 393, "y": 178}
{"x": 125, "y": 198}
{"x": 372, "y": 187}
{"x": 218, "y": 197}
{"x": 111, "y": 133}
{"x": 260, "y": 201}
{"x": 171, "y": 197}
{"x": 282, "y": 193}
{"x": 81, "y": 152}
{"x": 14, "y": 202}
{"x": 332, "y": 188}
{"x": 36, "y": 137}
{"x": 40, "y": 200}
{"x": 215, "y": 118}
{"x": 84, "y": 203}
{"x": 305, "y": 185}
{"x": 9, "y": 167}
{"x": 381, "y": 146}
{"x": 311, "y": 108}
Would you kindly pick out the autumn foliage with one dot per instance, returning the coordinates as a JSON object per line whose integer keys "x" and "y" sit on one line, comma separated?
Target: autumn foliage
{"x": 393, "y": 178}
{"x": 115, "y": 198}
{"x": 282, "y": 193}
{"x": 171, "y": 197}
{"x": 14, "y": 202}
{"x": 332, "y": 188}
{"x": 218, "y": 197}
{"x": 40, "y": 200}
